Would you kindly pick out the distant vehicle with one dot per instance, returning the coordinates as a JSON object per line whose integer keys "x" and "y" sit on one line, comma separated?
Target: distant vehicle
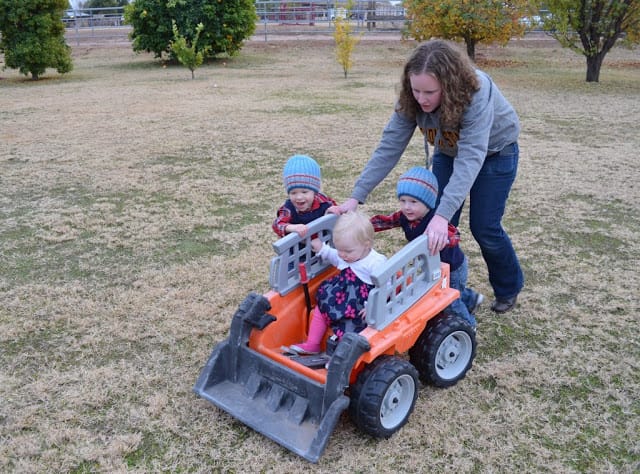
{"x": 73, "y": 14}
{"x": 357, "y": 14}
{"x": 532, "y": 22}
{"x": 70, "y": 16}
{"x": 337, "y": 13}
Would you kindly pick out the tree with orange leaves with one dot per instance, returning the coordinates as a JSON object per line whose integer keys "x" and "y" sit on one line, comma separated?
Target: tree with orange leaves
{"x": 472, "y": 21}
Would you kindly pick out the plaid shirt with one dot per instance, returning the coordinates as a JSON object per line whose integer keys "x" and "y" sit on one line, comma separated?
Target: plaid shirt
{"x": 382, "y": 222}
{"x": 285, "y": 217}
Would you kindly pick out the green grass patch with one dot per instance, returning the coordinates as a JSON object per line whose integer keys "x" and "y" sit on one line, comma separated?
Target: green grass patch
{"x": 150, "y": 448}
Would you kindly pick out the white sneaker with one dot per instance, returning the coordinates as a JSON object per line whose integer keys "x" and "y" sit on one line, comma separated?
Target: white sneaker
{"x": 476, "y": 303}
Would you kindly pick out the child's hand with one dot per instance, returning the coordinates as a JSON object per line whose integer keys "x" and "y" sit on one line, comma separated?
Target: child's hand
{"x": 300, "y": 229}
{"x": 316, "y": 245}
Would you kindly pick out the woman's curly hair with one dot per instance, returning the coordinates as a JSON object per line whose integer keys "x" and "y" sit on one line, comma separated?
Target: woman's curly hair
{"x": 454, "y": 71}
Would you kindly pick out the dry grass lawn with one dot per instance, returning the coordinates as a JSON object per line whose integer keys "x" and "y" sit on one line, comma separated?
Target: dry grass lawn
{"x": 135, "y": 212}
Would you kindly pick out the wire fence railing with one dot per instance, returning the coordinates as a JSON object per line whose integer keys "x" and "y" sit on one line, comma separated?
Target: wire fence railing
{"x": 274, "y": 19}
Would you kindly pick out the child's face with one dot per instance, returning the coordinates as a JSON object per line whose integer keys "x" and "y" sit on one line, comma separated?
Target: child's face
{"x": 302, "y": 199}
{"x": 350, "y": 250}
{"x": 412, "y": 208}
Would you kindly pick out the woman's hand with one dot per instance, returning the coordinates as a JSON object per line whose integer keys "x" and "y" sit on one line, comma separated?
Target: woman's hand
{"x": 350, "y": 204}
{"x": 438, "y": 234}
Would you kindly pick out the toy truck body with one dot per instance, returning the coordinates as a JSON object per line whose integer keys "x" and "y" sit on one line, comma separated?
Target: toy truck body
{"x": 297, "y": 400}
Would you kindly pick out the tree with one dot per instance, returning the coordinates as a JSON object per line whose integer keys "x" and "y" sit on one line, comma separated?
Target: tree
{"x": 593, "y": 27}
{"x": 227, "y": 23}
{"x": 33, "y": 36}
{"x": 188, "y": 53}
{"x": 345, "y": 44}
{"x": 473, "y": 21}
{"x": 345, "y": 41}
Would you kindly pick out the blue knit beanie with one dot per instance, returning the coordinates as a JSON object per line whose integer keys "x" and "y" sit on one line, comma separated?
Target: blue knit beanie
{"x": 301, "y": 171}
{"x": 420, "y": 184}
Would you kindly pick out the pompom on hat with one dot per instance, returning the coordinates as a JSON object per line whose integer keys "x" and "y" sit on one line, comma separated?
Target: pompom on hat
{"x": 301, "y": 171}
{"x": 420, "y": 184}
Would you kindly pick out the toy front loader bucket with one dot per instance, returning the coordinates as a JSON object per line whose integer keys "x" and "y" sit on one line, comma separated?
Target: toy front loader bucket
{"x": 291, "y": 409}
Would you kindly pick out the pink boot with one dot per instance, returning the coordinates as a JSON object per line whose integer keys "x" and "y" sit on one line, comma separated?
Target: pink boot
{"x": 317, "y": 328}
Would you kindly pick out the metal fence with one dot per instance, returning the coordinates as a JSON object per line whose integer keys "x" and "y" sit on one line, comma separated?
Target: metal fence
{"x": 95, "y": 25}
{"x": 368, "y": 17}
{"x": 94, "y": 17}
{"x": 311, "y": 13}
{"x": 275, "y": 18}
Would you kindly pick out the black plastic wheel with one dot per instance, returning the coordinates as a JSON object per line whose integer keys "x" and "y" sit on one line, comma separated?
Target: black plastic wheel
{"x": 444, "y": 351}
{"x": 383, "y": 396}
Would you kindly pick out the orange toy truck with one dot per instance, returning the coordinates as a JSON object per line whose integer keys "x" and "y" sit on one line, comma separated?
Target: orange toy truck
{"x": 297, "y": 400}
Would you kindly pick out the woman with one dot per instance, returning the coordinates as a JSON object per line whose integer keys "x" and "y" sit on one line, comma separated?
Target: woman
{"x": 473, "y": 131}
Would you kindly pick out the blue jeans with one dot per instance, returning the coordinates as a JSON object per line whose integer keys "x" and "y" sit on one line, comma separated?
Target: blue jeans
{"x": 487, "y": 201}
{"x": 460, "y": 307}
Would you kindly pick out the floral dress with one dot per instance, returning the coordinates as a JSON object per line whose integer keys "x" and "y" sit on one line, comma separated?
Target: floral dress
{"x": 342, "y": 297}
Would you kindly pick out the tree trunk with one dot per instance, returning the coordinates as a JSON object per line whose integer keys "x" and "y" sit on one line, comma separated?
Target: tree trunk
{"x": 471, "y": 49}
{"x": 594, "y": 63}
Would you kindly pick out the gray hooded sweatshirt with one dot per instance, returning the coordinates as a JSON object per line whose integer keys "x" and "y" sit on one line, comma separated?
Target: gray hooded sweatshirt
{"x": 488, "y": 125}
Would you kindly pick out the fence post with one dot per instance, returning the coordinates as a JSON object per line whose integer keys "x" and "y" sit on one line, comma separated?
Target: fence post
{"x": 265, "y": 27}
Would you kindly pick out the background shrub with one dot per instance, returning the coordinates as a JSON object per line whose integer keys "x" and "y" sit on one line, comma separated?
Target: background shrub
{"x": 32, "y": 38}
{"x": 226, "y": 24}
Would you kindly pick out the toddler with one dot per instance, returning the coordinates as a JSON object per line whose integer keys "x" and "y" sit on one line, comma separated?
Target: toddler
{"x": 341, "y": 298}
{"x": 417, "y": 191}
{"x": 305, "y": 203}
